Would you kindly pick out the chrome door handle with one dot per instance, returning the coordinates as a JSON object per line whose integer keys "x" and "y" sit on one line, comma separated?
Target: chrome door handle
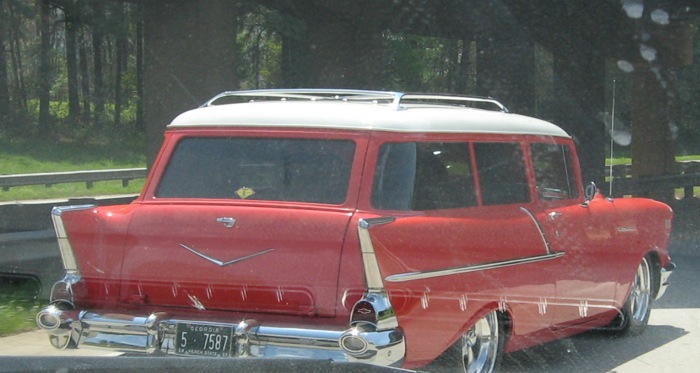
{"x": 227, "y": 222}
{"x": 554, "y": 215}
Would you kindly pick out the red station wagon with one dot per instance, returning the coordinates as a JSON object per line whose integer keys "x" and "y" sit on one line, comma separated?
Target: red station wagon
{"x": 357, "y": 226}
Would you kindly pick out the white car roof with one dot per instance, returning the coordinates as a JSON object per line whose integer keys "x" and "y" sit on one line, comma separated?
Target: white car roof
{"x": 369, "y": 115}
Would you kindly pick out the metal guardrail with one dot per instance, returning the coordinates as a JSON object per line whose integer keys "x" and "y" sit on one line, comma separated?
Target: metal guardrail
{"x": 88, "y": 177}
{"x": 688, "y": 178}
{"x": 646, "y": 184}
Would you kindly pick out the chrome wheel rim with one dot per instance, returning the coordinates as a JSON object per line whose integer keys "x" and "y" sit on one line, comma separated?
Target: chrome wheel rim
{"x": 480, "y": 345}
{"x": 640, "y": 293}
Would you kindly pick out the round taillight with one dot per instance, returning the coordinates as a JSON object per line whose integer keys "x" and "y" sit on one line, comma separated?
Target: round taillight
{"x": 353, "y": 344}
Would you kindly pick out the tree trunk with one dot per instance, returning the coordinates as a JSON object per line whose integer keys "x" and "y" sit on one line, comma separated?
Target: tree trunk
{"x": 4, "y": 86}
{"x": 19, "y": 94}
{"x": 85, "y": 80}
{"x": 72, "y": 67}
{"x": 97, "y": 43}
{"x": 120, "y": 64}
{"x": 139, "y": 71}
{"x": 44, "y": 72}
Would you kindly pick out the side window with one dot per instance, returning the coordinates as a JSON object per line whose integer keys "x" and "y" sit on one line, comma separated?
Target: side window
{"x": 553, "y": 171}
{"x": 502, "y": 174}
{"x": 423, "y": 176}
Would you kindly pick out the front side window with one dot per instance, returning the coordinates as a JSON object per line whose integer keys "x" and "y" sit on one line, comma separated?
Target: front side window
{"x": 423, "y": 176}
{"x": 554, "y": 174}
{"x": 297, "y": 170}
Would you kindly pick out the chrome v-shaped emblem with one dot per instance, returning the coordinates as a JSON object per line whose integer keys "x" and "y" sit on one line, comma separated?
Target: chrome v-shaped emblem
{"x": 220, "y": 263}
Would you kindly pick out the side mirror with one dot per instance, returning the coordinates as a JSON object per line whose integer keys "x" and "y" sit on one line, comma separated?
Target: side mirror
{"x": 589, "y": 193}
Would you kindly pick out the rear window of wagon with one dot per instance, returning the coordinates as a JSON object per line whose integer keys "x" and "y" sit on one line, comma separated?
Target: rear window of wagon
{"x": 273, "y": 169}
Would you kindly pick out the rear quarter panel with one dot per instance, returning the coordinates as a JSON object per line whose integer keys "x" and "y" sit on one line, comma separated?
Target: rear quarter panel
{"x": 97, "y": 236}
{"x": 434, "y": 311}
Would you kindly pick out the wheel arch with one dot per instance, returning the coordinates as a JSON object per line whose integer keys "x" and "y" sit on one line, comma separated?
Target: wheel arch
{"x": 655, "y": 264}
{"x": 505, "y": 320}
{"x": 447, "y": 361}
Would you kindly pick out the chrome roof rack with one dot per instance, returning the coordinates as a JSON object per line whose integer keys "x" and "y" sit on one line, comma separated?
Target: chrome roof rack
{"x": 480, "y": 102}
{"x": 395, "y": 99}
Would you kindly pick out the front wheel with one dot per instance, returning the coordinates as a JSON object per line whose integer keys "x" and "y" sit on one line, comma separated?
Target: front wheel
{"x": 634, "y": 315}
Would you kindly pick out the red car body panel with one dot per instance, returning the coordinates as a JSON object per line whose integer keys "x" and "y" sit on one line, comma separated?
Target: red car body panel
{"x": 285, "y": 265}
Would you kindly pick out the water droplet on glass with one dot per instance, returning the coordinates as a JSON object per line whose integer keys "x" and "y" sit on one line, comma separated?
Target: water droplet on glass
{"x": 648, "y": 53}
{"x": 660, "y": 16}
{"x": 625, "y": 66}
{"x": 633, "y": 8}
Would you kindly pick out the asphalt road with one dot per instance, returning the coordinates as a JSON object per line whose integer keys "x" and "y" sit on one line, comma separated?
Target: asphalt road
{"x": 670, "y": 343}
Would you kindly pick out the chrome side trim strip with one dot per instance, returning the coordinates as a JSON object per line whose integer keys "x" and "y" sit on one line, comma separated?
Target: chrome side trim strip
{"x": 70, "y": 264}
{"x": 410, "y": 276}
{"x": 550, "y": 254}
{"x": 539, "y": 229}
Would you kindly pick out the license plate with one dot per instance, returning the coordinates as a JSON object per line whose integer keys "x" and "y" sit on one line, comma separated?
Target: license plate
{"x": 203, "y": 340}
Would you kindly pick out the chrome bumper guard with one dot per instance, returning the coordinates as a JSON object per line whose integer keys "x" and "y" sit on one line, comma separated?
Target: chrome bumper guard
{"x": 156, "y": 334}
{"x": 665, "y": 273}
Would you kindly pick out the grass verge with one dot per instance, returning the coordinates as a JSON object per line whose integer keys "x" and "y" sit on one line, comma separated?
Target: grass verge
{"x": 71, "y": 190}
{"x": 18, "y": 306}
{"x": 26, "y": 156}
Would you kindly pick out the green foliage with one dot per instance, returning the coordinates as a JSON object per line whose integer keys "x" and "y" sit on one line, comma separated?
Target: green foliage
{"x": 260, "y": 49}
{"x": 18, "y": 316}
{"x": 18, "y": 306}
{"x": 404, "y": 68}
{"x": 411, "y": 63}
{"x": 58, "y": 110}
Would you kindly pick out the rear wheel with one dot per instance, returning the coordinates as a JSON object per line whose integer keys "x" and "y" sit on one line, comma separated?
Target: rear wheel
{"x": 478, "y": 350}
{"x": 634, "y": 315}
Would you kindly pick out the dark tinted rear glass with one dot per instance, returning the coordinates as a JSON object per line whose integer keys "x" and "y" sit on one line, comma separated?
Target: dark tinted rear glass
{"x": 297, "y": 170}
{"x": 423, "y": 176}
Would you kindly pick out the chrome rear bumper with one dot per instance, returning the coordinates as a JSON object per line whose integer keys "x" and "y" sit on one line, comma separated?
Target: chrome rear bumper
{"x": 156, "y": 333}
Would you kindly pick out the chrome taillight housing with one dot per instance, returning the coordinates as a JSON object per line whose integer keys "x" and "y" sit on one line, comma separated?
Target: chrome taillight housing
{"x": 62, "y": 291}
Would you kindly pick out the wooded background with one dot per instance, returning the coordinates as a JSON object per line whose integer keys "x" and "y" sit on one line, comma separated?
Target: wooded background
{"x": 74, "y": 68}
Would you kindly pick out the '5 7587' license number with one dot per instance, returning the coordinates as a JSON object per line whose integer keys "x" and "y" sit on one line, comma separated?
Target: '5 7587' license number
{"x": 203, "y": 340}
